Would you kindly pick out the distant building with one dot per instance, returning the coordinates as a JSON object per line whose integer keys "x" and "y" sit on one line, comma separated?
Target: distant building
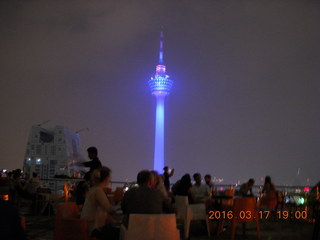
{"x": 50, "y": 152}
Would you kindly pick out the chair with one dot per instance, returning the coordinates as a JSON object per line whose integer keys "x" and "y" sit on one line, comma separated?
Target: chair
{"x": 188, "y": 212}
{"x": 316, "y": 227}
{"x": 151, "y": 227}
{"x": 245, "y": 210}
{"x": 23, "y": 222}
{"x": 68, "y": 210}
{"x": 229, "y": 193}
{"x": 68, "y": 225}
{"x": 71, "y": 229}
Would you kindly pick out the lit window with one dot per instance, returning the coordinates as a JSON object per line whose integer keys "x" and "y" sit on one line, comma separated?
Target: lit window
{"x": 38, "y": 161}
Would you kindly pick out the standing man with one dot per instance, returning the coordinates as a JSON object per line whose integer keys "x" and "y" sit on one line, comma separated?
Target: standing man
{"x": 94, "y": 163}
{"x": 167, "y": 176}
{"x": 246, "y": 188}
{"x": 210, "y": 184}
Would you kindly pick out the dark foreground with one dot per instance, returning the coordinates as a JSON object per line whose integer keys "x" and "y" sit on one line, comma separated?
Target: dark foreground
{"x": 42, "y": 227}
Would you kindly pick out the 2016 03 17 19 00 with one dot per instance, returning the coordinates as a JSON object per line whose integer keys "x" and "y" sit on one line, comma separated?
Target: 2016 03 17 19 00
{"x": 228, "y": 215}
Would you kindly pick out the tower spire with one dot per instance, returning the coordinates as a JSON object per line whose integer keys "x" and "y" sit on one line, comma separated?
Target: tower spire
{"x": 161, "y": 48}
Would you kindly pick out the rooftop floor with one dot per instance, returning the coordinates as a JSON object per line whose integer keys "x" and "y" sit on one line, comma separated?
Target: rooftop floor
{"x": 41, "y": 228}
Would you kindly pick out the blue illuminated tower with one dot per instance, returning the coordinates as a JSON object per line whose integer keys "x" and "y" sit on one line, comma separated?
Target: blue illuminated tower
{"x": 160, "y": 85}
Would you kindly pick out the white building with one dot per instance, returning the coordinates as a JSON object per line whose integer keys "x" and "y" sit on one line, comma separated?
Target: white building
{"x": 50, "y": 152}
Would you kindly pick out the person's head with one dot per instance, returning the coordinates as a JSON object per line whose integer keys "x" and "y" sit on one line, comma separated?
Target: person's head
{"x": 251, "y": 182}
{"x": 16, "y": 174}
{"x": 92, "y": 152}
{"x": 267, "y": 179}
{"x": 156, "y": 179}
{"x": 186, "y": 180}
{"x": 101, "y": 176}
{"x": 207, "y": 178}
{"x": 166, "y": 169}
{"x": 34, "y": 175}
{"x": 197, "y": 178}
{"x": 144, "y": 178}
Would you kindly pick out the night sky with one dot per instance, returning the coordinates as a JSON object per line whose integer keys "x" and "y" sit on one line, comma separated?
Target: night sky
{"x": 246, "y": 99}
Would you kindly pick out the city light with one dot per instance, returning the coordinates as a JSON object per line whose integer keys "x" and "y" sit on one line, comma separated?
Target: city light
{"x": 301, "y": 201}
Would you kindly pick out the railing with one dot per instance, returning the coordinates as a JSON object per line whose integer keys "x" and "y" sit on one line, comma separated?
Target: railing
{"x": 287, "y": 191}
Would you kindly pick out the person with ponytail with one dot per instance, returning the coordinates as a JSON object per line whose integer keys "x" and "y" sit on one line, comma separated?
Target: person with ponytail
{"x": 97, "y": 208}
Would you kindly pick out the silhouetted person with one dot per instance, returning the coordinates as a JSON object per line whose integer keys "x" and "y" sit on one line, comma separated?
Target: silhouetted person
{"x": 31, "y": 188}
{"x": 145, "y": 199}
{"x": 314, "y": 201}
{"x": 97, "y": 208}
{"x": 314, "y": 192}
{"x": 33, "y": 184}
{"x": 183, "y": 187}
{"x": 167, "y": 175}
{"x": 158, "y": 184}
{"x": 268, "y": 187}
{"x": 81, "y": 190}
{"x": 269, "y": 197}
{"x": 10, "y": 226}
{"x": 246, "y": 188}
{"x": 17, "y": 190}
{"x": 210, "y": 184}
{"x": 94, "y": 163}
{"x": 199, "y": 191}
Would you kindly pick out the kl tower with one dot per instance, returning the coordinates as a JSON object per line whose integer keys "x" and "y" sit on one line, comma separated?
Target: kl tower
{"x": 160, "y": 85}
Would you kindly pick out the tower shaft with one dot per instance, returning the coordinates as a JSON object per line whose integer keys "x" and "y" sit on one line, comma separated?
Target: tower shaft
{"x": 159, "y": 135}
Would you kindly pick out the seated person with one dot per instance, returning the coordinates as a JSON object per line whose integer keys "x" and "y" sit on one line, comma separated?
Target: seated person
{"x": 81, "y": 189}
{"x": 17, "y": 188}
{"x": 269, "y": 197}
{"x": 33, "y": 184}
{"x": 97, "y": 208}
{"x": 200, "y": 192}
{"x": 159, "y": 184}
{"x": 183, "y": 187}
{"x": 314, "y": 196}
{"x": 144, "y": 199}
{"x": 210, "y": 184}
{"x": 246, "y": 189}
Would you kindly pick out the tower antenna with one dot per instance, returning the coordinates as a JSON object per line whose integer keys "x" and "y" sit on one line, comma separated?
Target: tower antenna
{"x": 161, "y": 48}
{"x": 40, "y": 124}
